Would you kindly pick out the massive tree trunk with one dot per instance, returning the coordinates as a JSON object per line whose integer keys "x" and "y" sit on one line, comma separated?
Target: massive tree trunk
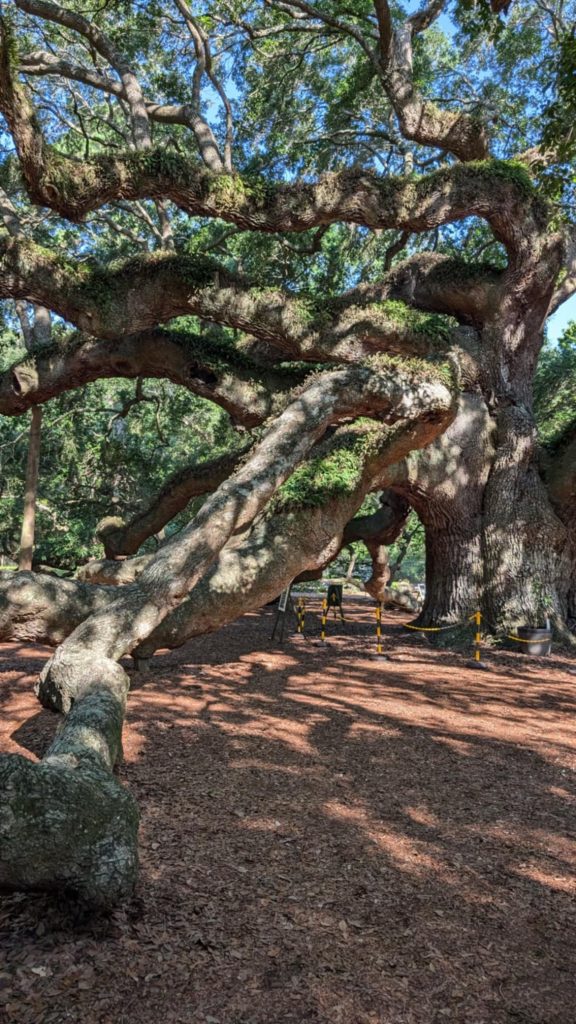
{"x": 526, "y": 564}
{"x": 445, "y": 484}
{"x": 493, "y": 538}
{"x": 560, "y": 477}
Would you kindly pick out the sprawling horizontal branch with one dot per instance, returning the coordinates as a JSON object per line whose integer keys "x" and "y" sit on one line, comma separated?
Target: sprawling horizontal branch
{"x": 248, "y": 393}
{"x": 189, "y": 482}
{"x": 47, "y": 613}
{"x": 498, "y": 191}
{"x": 140, "y": 293}
{"x": 435, "y": 283}
{"x": 119, "y": 538}
{"x": 212, "y": 368}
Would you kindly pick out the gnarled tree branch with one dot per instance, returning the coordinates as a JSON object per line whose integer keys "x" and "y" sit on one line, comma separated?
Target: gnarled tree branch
{"x": 387, "y": 391}
{"x": 155, "y": 288}
{"x": 247, "y": 392}
{"x": 496, "y": 191}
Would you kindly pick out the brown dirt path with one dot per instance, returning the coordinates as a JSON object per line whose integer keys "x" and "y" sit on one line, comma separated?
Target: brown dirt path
{"x": 326, "y": 839}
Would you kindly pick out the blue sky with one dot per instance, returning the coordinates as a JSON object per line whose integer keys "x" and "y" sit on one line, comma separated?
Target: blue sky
{"x": 561, "y": 318}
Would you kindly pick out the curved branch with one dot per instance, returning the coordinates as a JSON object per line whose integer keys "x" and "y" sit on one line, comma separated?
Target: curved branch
{"x": 386, "y": 390}
{"x": 41, "y": 63}
{"x": 189, "y": 482}
{"x": 567, "y": 285}
{"x": 155, "y": 288}
{"x": 420, "y": 120}
{"x": 248, "y": 393}
{"x": 435, "y": 283}
{"x": 498, "y": 191}
{"x": 377, "y": 532}
{"x": 278, "y": 548}
{"x": 250, "y": 570}
{"x": 212, "y": 369}
{"x": 104, "y": 46}
{"x": 382, "y": 526}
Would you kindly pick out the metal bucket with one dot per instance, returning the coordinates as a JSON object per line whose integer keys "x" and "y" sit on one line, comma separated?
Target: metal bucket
{"x": 536, "y": 641}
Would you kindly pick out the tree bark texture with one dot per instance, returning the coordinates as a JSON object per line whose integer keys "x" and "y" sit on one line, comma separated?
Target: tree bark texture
{"x": 66, "y": 824}
{"x": 493, "y": 539}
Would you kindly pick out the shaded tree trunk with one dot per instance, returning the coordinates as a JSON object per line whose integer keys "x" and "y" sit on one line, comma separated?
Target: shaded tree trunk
{"x": 493, "y": 539}
{"x": 26, "y": 552}
{"x": 560, "y": 477}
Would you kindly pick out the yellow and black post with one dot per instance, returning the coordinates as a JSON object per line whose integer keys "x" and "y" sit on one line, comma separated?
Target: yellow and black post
{"x": 324, "y": 617}
{"x": 477, "y": 637}
{"x": 477, "y": 658}
{"x": 300, "y": 613}
{"x": 379, "y": 649}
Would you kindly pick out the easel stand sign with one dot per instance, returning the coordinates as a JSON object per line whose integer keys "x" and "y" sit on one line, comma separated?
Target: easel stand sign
{"x": 285, "y": 606}
{"x": 334, "y": 598}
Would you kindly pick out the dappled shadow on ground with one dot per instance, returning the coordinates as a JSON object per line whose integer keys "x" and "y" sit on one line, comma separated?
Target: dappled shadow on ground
{"x": 326, "y": 838}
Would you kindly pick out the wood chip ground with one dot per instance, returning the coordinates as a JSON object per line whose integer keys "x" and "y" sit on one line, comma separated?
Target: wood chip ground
{"x": 326, "y": 839}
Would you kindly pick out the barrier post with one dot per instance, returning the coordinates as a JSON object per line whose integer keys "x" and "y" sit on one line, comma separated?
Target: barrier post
{"x": 477, "y": 637}
{"x": 477, "y": 659}
{"x": 300, "y": 612}
{"x": 379, "y": 653}
{"x": 324, "y": 617}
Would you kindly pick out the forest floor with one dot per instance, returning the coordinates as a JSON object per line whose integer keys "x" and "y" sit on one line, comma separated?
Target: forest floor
{"x": 326, "y": 839}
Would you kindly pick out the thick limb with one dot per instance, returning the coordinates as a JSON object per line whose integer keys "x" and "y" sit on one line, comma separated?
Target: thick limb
{"x": 390, "y": 392}
{"x": 155, "y": 288}
{"x": 252, "y": 568}
{"x": 377, "y": 532}
{"x": 66, "y": 823}
{"x": 121, "y": 538}
{"x": 492, "y": 191}
{"x": 198, "y": 363}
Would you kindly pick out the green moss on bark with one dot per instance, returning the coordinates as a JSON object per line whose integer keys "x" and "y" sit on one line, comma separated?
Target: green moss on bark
{"x": 336, "y": 471}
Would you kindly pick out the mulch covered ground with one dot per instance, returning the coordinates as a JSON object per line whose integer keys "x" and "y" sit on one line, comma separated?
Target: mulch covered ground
{"x": 325, "y": 838}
